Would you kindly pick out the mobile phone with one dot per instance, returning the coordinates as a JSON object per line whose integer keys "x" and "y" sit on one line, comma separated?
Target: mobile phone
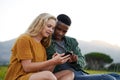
{"x": 68, "y": 53}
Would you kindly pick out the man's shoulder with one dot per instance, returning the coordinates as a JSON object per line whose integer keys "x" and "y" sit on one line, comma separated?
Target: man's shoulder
{"x": 70, "y": 38}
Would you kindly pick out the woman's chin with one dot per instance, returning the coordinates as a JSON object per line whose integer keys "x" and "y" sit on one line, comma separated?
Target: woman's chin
{"x": 46, "y": 36}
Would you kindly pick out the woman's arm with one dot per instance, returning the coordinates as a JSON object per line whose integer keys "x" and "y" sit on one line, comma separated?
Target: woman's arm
{"x": 30, "y": 66}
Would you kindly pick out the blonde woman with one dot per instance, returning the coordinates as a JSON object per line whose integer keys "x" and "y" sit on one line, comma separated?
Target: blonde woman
{"x": 28, "y": 60}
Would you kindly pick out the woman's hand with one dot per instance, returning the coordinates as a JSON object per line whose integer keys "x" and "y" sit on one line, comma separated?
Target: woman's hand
{"x": 60, "y": 58}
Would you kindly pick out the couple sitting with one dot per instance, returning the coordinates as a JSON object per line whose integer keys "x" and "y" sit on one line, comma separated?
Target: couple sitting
{"x": 31, "y": 49}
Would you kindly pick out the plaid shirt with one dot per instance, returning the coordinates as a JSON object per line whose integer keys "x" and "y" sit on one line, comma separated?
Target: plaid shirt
{"x": 70, "y": 45}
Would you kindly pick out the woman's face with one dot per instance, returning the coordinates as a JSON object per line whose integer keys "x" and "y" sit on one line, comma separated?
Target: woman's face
{"x": 49, "y": 28}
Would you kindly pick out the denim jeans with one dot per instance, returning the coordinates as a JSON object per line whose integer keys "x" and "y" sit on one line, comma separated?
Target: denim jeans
{"x": 81, "y": 76}
{"x": 117, "y": 76}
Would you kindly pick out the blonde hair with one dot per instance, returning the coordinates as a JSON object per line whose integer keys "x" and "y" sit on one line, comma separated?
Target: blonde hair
{"x": 37, "y": 26}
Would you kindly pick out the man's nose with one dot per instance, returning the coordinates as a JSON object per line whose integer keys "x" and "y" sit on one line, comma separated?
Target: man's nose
{"x": 61, "y": 33}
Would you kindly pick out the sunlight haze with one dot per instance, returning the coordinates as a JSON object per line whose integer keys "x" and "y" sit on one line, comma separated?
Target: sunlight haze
{"x": 91, "y": 19}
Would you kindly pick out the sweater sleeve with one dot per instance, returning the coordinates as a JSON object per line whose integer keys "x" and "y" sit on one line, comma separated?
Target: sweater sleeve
{"x": 81, "y": 59}
{"x": 23, "y": 50}
{"x": 76, "y": 50}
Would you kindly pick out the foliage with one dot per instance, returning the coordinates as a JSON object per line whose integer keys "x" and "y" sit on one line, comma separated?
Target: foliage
{"x": 114, "y": 67}
{"x": 97, "y": 60}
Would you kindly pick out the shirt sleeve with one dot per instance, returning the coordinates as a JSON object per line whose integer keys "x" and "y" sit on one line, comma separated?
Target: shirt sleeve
{"x": 23, "y": 49}
{"x": 77, "y": 51}
{"x": 81, "y": 59}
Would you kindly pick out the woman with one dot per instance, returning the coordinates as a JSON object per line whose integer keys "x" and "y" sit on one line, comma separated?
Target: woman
{"x": 29, "y": 61}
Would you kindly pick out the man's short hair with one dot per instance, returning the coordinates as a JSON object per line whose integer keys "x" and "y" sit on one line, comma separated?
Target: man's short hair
{"x": 64, "y": 19}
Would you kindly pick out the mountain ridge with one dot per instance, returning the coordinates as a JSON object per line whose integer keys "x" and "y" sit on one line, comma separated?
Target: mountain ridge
{"x": 96, "y": 46}
{"x": 86, "y": 47}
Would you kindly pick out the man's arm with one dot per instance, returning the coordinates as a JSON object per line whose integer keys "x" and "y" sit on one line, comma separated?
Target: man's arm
{"x": 81, "y": 59}
{"x": 77, "y": 51}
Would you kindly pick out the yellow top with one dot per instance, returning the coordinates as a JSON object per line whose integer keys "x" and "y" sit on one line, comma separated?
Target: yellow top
{"x": 24, "y": 48}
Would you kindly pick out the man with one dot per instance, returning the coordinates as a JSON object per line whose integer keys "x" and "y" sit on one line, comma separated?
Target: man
{"x": 62, "y": 44}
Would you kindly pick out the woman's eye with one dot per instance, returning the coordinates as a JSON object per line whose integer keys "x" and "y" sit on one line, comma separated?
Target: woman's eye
{"x": 49, "y": 26}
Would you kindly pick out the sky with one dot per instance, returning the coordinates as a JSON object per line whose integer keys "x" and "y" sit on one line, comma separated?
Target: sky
{"x": 91, "y": 19}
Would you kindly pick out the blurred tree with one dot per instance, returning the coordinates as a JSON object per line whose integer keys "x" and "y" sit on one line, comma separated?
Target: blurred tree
{"x": 97, "y": 60}
{"x": 114, "y": 67}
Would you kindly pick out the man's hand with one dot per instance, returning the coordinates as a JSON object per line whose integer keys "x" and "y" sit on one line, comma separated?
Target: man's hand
{"x": 73, "y": 58}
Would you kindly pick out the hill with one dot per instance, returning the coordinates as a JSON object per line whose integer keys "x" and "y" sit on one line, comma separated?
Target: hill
{"x": 99, "y": 46}
{"x": 5, "y": 51}
{"x": 86, "y": 47}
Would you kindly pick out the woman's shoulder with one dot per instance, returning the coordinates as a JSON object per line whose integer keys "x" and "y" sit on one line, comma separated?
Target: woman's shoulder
{"x": 24, "y": 36}
{"x": 22, "y": 40}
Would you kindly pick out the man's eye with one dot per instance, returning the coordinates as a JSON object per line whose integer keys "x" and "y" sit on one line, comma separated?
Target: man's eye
{"x": 64, "y": 31}
{"x": 58, "y": 29}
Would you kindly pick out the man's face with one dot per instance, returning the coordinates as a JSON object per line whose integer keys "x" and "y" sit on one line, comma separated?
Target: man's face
{"x": 60, "y": 31}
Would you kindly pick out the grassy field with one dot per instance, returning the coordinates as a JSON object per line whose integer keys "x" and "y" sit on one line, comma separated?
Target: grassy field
{"x": 4, "y": 68}
{"x": 99, "y": 72}
{"x": 2, "y": 72}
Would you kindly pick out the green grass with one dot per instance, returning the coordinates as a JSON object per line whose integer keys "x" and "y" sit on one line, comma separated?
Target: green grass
{"x": 4, "y": 68}
{"x": 99, "y": 72}
{"x": 2, "y": 72}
